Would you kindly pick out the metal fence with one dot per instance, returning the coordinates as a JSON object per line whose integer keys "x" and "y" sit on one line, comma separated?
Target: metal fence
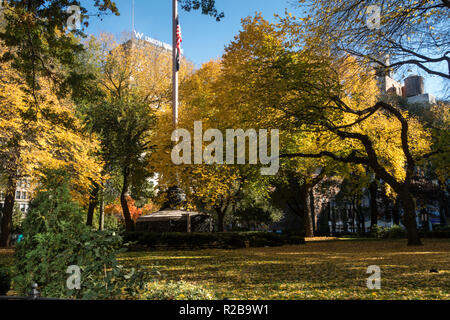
{"x": 33, "y": 295}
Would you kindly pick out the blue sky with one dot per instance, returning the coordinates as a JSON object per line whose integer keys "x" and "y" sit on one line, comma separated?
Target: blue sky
{"x": 203, "y": 38}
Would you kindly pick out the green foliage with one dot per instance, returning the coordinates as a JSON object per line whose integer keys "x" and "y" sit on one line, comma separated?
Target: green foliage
{"x": 445, "y": 228}
{"x": 124, "y": 128}
{"x": 376, "y": 231}
{"x": 17, "y": 219}
{"x": 228, "y": 240}
{"x": 55, "y": 237}
{"x": 179, "y": 290}
{"x": 36, "y": 33}
{"x": 394, "y": 232}
{"x": 113, "y": 224}
{"x": 208, "y": 7}
{"x": 438, "y": 232}
{"x": 5, "y": 280}
{"x": 253, "y": 209}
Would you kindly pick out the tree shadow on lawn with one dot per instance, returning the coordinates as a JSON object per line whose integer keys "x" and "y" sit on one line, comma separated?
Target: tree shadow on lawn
{"x": 333, "y": 270}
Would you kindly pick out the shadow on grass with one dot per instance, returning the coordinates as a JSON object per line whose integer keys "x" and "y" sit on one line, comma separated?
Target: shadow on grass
{"x": 319, "y": 270}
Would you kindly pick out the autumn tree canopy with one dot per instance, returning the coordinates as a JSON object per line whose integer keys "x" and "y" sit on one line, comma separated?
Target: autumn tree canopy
{"x": 309, "y": 90}
{"x": 32, "y": 142}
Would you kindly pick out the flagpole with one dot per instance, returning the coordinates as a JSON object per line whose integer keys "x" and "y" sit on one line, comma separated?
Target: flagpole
{"x": 175, "y": 71}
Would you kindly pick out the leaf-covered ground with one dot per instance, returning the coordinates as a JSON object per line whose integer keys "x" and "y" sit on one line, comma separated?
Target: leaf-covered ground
{"x": 317, "y": 270}
{"x": 6, "y": 257}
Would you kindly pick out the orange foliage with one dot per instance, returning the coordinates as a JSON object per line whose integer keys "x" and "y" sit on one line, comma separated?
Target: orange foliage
{"x": 150, "y": 208}
{"x": 116, "y": 209}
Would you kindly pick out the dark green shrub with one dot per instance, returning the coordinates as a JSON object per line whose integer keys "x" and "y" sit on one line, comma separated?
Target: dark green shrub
{"x": 376, "y": 232}
{"x": 17, "y": 219}
{"x": 394, "y": 232}
{"x": 227, "y": 240}
{"x": 440, "y": 228}
{"x": 436, "y": 234}
{"x": 256, "y": 242}
{"x": 266, "y": 240}
{"x": 234, "y": 240}
{"x": 56, "y": 237}
{"x": 5, "y": 280}
{"x": 295, "y": 240}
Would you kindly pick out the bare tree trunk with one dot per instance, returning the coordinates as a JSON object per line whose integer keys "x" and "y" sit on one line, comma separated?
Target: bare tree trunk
{"x": 396, "y": 211}
{"x": 221, "y": 221}
{"x": 362, "y": 221}
{"x": 8, "y": 208}
{"x": 305, "y": 199}
{"x": 345, "y": 219}
{"x": 93, "y": 202}
{"x": 129, "y": 223}
{"x": 373, "y": 188}
{"x": 101, "y": 214}
{"x": 333, "y": 220}
{"x": 356, "y": 216}
{"x": 410, "y": 218}
{"x": 442, "y": 205}
{"x": 352, "y": 215}
{"x": 313, "y": 211}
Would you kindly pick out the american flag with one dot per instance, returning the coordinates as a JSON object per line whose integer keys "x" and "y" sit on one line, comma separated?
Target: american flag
{"x": 179, "y": 40}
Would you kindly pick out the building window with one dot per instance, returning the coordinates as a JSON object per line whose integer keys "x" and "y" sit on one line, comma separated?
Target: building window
{"x": 17, "y": 195}
{"x": 24, "y": 195}
{"x": 22, "y": 208}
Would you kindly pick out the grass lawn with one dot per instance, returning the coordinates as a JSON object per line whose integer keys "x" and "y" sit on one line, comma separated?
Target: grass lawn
{"x": 317, "y": 270}
{"x": 321, "y": 269}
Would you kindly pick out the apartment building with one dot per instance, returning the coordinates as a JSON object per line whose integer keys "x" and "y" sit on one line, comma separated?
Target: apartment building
{"x": 22, "y": 195}
{"x": 413, "y": 88}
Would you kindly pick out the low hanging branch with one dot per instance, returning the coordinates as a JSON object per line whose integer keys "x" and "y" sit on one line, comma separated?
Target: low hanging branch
{"x": 371, "y": 158}
{"x": 352, "y": 158}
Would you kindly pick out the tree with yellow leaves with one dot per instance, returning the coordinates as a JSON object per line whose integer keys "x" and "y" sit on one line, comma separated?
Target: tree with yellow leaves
{"x": 34, "y": 139}
{"x": 284, "y": 78}
{"x": 43, "y": 57}
{"x": 250, "y": 102}
{"x": 211, "y": 187}
{"x": 132, "y": 84}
